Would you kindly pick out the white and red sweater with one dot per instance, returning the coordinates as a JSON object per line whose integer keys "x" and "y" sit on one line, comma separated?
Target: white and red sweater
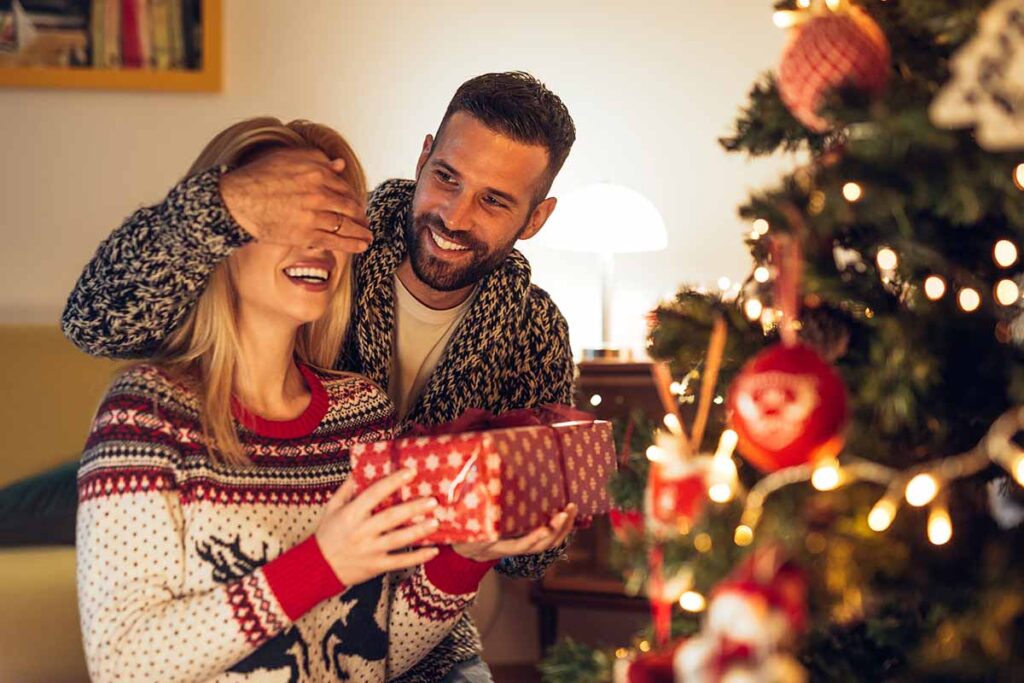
{"x": 189, "y": 570}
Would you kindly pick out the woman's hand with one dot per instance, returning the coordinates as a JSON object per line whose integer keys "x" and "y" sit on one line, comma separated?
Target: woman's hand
{"x": 359, "y": 544}
{"x": 537, "y": 541}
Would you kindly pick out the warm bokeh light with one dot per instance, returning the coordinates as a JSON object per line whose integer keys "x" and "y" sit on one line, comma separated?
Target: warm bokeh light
{"x": 1007, "y": 292}
{"x": 922, "y": 489}
{"x": 720, "y": 492}
{"x": 744, "y": 535}
{"x": 702, "y": 542}
{"x": 724, "y": 283}
{"x": 826, "y": 477}
{"x": 761, "y": 274}
{"x": 882, "y": 515}
{"x": 940, "y": 526}
{"x": 655, "y": 454}
{"x": 672, "y": 422}
{"x": 595, "y": 400}
{"x": 753, "y": 308}
{"x": 692, "y": 601}
{"x": 1018, "y": 469}
{"x": 761, "y": 227}
{"x": 887, "y": 259}
{"x": 1018, "y": 176}
{"x": 852, "y": 192}
{"x": 934, "y": 287}
{"x": 969, "y": 299}
{"x": 1005, "y": 253}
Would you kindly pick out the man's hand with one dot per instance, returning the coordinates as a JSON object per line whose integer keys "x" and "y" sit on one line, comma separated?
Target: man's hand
{"x": 295, "y": 197}
{"x": 537, "y": 541}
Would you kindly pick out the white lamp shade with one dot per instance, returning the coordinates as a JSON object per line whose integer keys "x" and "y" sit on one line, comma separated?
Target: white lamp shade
{"x": 604, "y": 219}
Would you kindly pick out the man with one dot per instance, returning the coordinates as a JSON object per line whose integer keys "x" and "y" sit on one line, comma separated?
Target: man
{"x": 445, "y": 316}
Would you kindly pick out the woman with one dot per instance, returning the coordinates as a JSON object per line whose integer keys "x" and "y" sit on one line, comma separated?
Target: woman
{"x": 213, "y": 538}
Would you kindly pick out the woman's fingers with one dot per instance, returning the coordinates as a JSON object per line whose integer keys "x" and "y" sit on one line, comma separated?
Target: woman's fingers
{"x": 414, "y": 558}
{"x": 397, "y": 515}
{"x": 377, "y": 492}
{"x": 406, "y": 536}
{"x": 342, "y": 496}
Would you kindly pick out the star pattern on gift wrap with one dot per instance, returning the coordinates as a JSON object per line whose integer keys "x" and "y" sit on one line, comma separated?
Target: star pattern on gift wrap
{"x": 432, "y": 462}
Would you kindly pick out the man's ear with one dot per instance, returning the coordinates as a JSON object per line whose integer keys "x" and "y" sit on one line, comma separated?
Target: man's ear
{"x": 538, "y": 218}
{"x": 428, "y": 144}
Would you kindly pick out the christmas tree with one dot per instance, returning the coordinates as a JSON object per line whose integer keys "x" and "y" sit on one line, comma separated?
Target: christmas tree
{"x": 870, "y": 371}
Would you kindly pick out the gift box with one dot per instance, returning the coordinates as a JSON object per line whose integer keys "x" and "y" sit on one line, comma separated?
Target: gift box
{"x": 498, "y": 477}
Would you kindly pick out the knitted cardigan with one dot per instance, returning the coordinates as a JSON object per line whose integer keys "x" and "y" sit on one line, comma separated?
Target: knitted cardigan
{"x": 511, "y": 350}
{"x": 190, "y": 570}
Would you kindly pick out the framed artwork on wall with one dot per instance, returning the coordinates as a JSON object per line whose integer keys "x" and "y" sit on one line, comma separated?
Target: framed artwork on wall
{"x": 161, "y": 45}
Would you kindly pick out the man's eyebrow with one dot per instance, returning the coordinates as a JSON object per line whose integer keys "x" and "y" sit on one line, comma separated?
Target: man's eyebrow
{"x": 450, "y": 170}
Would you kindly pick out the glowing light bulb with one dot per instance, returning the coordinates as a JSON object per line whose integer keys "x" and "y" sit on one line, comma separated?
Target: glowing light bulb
{"x": 940, "y": 526}
{"x": 702, "y": 542}
{"x": 655, "y": 454}
{"x": 1005, "y": 252}
{"x": 692, "y": 601}
{"x": 753, "y": 309}
{"x": 1007, "y": 292}
{"x": 934, "y": 287}
{"x": 887, "y": 259}
{"x": 1018, "y": 176}
{"x": 744, "y": 535}
{"x": 595, "y": 400}
{"x": 833, "y": 4}
{"x": 1017, "y": 469}
{"x": 784, "y": 18}
{"x": 673, "y": 424}
{"x": 827, "y": 477}
{"x": 803, "y": 4}
{"x": 761, "y": 274}
{"x": 922, "y": 490}
{"x": 882, "y": 515}
{"x": 852, "y": 192}
{"x": 644, "y": 646}
{"x": 969, "y": 299}
{"x": 720, "y": 492}
{"x": 727, "y": 443}
{"x": 761, "y": 227}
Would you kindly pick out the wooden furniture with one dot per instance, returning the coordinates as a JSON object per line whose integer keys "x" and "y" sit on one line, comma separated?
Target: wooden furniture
{"x": 205, "y": 79}
{"x": 610, "y": 390}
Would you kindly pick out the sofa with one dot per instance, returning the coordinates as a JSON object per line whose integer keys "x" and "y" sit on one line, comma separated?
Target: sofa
{"x": 51, "y": 391}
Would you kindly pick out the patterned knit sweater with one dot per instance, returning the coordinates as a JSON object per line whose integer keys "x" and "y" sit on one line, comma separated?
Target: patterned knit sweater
{"x": 189, "y": 570}
{"x": 511, "y": 350}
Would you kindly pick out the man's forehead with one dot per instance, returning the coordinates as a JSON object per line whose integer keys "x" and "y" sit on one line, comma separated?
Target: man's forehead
{"x": 485, "y": 156}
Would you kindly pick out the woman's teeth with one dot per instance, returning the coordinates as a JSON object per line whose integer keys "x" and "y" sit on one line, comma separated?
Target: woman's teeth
{"x": 447, "y": 245}
{"x": 308, "y": 274}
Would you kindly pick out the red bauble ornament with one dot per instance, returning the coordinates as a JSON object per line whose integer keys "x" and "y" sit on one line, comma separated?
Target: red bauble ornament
{"x": 845, "y": 48}
{"x": 788, "y": 407}
{"x": 626, "y": 524}
{"x": 678, "y": 491}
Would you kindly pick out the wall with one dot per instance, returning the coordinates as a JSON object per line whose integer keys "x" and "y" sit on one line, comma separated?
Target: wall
{"x": 650, "y": 84}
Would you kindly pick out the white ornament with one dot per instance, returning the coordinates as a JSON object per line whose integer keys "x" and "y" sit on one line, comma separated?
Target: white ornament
{"x": 987, "y": 87}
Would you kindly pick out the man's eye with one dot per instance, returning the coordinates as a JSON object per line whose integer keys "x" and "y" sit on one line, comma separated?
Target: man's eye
{"x": 444, "y": 177}
{"x": 494, "y": 202}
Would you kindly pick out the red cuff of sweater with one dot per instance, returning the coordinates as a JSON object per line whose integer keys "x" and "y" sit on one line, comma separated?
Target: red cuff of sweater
{"x": 301, "y": 578}
{"x": 455, "y": 574}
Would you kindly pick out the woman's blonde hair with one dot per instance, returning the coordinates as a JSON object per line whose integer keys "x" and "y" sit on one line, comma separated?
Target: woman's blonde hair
{"x": 204, "y": 350}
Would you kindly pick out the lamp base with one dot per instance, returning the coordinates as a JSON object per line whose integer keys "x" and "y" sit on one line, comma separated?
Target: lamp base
{"x": 611, "y": 353}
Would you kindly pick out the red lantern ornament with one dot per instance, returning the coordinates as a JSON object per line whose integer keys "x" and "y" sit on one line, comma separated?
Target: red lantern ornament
{"x": 788, "y": 407}
{"x": 677, "y": 493}
{"x": 832, "y": 49}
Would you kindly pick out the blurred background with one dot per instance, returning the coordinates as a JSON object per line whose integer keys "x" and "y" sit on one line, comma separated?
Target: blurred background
{"x": 651, "y": 86}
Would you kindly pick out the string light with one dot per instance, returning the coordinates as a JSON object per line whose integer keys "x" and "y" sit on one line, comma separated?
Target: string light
{"x": 784, "y": 18}
{"x": 655, "y": 454}
{"x": 804, "y": 4}
{"x": 720, "y": 493}
{"x": 702, "y": 542}
{"x": 1007, "y": 292}
{"x": 833, "y": 4}
{"x": 887, "y": 259}
{"x": 644, "y": 646}
{"x": 673, "y": 424}
{"x": 692, "y": 601}
{"x": 595, "y": 400}
{"x": 1018, "y": 176}
{"x": 724, "y": 283}
{"x": 826, "y": 476}
{"x": 761, "y": 274}
{"x": 969, "y": 299}
{"x": 934, "y": 287}
{"x": 852, "y": 192}
{"x": 744, "y": 535}
{"x": 761, "y": 227}
{"x": 727, "y": 443}
{"x": 940, "y": 526}
{"x": 922, "y": 489}
{"x": 882, "y": 514}
{"x": 1017, "y": 469}
{"x": 1005, "y": 252}
{"x": 753, "y": 308}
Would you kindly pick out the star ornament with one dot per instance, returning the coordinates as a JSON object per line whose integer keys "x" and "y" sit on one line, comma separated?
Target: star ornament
{"x": 987, "y": 87}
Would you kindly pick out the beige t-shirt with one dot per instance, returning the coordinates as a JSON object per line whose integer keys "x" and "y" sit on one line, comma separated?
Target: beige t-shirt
{"x": 421, "y": 336}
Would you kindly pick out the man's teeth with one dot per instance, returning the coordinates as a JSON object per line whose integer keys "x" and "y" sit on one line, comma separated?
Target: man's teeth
{"x": 308, "y": 274}
{"x": 447, "y": 245}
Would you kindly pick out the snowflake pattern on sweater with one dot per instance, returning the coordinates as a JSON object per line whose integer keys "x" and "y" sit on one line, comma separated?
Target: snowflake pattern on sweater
{"x": 191, "y": 570}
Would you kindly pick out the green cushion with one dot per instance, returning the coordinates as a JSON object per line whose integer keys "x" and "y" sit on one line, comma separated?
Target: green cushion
{"x": 41, "y": 509}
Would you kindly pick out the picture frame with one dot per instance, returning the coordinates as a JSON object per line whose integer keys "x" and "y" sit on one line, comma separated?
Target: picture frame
{"x": 185, "y": 66}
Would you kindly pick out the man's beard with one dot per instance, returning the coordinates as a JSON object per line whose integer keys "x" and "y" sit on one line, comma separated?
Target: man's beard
{"x": 444, "y": 276}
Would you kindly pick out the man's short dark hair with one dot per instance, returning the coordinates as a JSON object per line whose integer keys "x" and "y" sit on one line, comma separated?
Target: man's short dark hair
{"x": 520, "y": 107}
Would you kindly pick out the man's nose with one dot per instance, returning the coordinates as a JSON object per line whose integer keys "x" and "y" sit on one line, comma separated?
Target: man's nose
{"x": 458, "y": 214}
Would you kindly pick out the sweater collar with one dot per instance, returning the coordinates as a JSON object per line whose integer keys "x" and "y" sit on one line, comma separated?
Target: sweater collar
{"x": 302, "y": 425}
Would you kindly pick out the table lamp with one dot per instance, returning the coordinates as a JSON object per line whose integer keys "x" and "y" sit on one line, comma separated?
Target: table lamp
{"x": 605, "y": 219}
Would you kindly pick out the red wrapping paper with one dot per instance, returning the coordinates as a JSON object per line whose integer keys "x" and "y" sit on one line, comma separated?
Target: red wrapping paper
{"x": 502, "y": 482}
